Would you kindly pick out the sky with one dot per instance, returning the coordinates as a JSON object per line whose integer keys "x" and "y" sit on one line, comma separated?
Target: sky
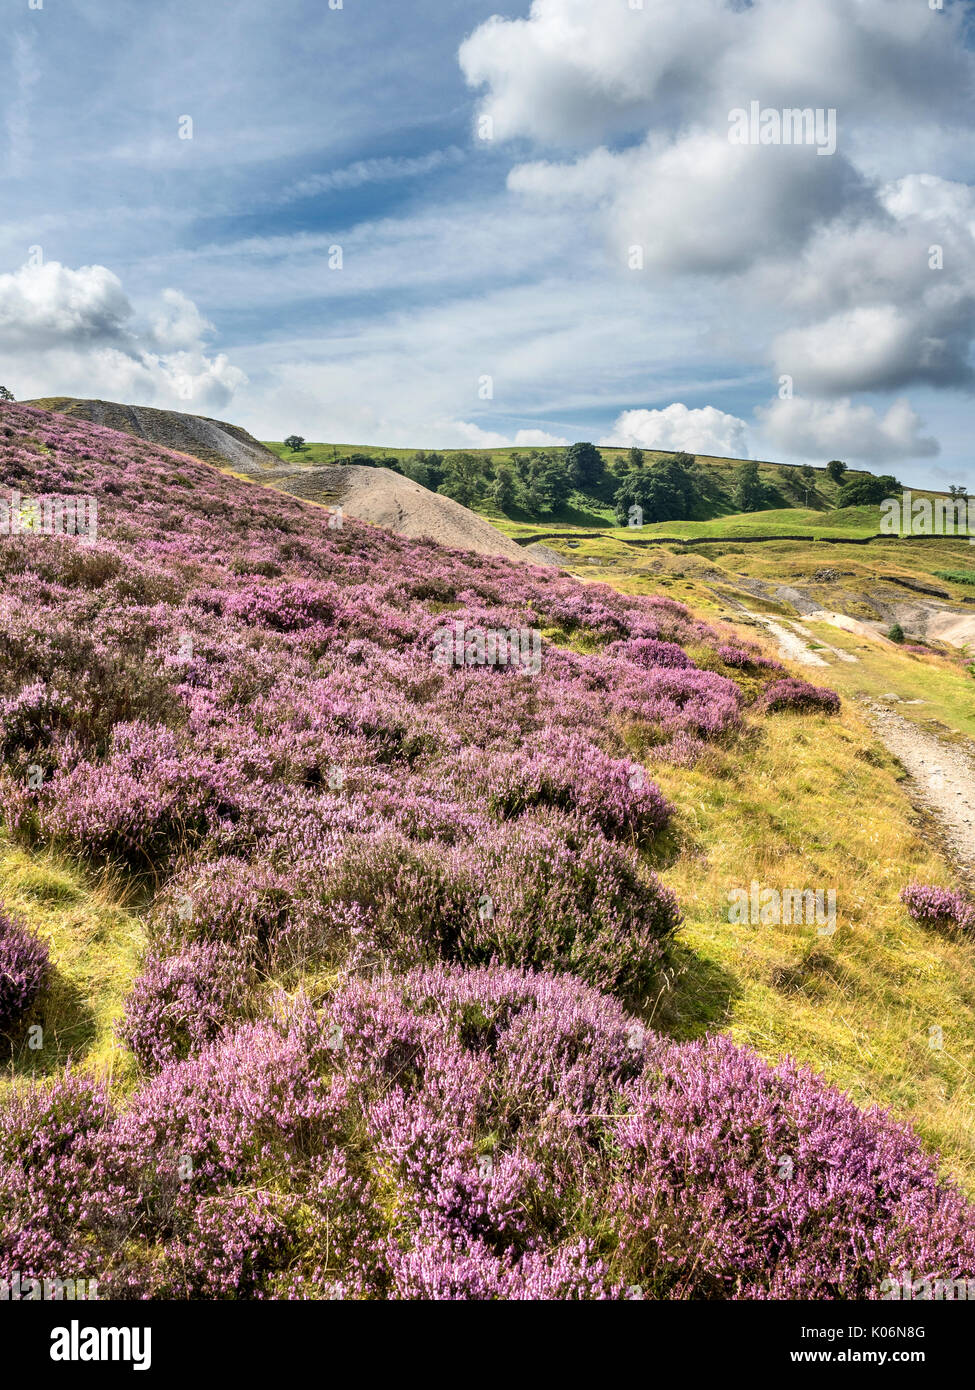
{"x": 432, "y": 223}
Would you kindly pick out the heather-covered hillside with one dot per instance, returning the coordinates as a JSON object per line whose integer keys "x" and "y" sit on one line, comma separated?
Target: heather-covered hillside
{"x": 391, "y": 812}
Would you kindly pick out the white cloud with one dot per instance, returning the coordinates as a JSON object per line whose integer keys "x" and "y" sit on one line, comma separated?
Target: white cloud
{"x": 50, "y": 304}
{"x": 366, "y": 171}
{"x": 537, "y": 439}
{"x": 699, "y": 204}
{"x": 74, "y": 332}
{"x": 825, "y": 260}
{"x": 701, "y": 431}
{"x": 574, "y": 71}
{"x": 819, "y": 430}
{"x": 177, "y": 323}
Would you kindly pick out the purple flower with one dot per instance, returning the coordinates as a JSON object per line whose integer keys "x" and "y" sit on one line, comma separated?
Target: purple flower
{"x": 23, "y": 968}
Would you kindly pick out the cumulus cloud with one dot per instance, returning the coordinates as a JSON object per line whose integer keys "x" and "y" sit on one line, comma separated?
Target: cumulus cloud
{"x": 75, "y": 332}
{"x": 817, "y": 430}
{"x": 702, "y": 431}
{"x": 783, "y": 233}
{"x": 573, "y": 72}
{"x": 49, "y": 304}
{"x": 701, "y": 205}
{"x": 537, "y": 439}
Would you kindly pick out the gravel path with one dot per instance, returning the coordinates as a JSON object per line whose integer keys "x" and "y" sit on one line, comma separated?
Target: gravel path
{"x": 942, "y": 776}
{"x": 790, "y": 646}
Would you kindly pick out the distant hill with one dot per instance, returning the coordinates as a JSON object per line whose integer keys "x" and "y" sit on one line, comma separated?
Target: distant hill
{"x": 212, "y": 441}
{"x": 377, "y": 495}
{"x": 588, "y": 507}
{"x": 398, "y": 504}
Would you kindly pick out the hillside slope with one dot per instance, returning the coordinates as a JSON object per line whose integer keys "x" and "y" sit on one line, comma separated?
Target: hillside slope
{"x": 212, "y": 441}
{"x": 417, "y": 999}
{"x": 593, "y": 507}
{"x": 387, "y": 499}
{"x": 379, "y": 496}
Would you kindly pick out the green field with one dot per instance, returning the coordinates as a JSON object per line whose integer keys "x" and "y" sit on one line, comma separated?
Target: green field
{"x": 803, "y": 511}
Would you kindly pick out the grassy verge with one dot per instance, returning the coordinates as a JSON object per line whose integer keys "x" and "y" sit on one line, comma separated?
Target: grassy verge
{"x": 813, "y": 803}
{"x": 94, "y": 943}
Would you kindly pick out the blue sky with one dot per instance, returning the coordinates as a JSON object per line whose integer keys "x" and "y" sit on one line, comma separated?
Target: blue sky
{"x": 486, "y": 292}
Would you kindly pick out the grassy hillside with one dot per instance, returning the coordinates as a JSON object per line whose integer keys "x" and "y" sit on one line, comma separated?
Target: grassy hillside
{"x": 292, "y": 869}
{"x": 595, "y": 508}
{"x": 794, "y": 507}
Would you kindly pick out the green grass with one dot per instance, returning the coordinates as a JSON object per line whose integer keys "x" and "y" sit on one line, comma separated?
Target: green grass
{"x": 586, "y": 511}
{"x": 856, "y": 1006}
{"x": 95, "y": 942}
{"x": 957, "y": 576}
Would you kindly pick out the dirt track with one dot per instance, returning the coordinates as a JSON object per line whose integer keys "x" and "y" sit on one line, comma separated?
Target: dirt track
{"x": 942, "y": 776}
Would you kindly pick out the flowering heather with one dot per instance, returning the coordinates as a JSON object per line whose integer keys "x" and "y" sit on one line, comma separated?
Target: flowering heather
{"x": 471, "y": 1134}
{"x": 793, "y": 694}
{"x": 743, "y": 658}
{"x": 221, "y": 679}
{"x": 938, "y": 907}
{"x": 23, "y": 966}
{"x": 545, "y": 893}
{"x": 179, "y": 1003}
{"x": 239, "y": 708}
{"x": 646, "y": 651}
{"x": 744, "y": 1180}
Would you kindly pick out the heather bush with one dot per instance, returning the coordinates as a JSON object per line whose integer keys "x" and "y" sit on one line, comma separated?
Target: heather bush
{"x": 793, "y": 694}
{"x": 472, "y": 1134}
{"x": 49, "y": 1168}
{"x": 23, "y": 968}
{"x": 565, "y": 772}
{"x": 646, "y": 651}
{"x": 547, "y": 894}
{"x": 181, "y": 1002}
{"x": 742, "y": 658}
{"x": 938, "y": 907}
{"x": 226, "y": 901}
{"x": 739, "y": 1179}
{"x": 144, "y": 804}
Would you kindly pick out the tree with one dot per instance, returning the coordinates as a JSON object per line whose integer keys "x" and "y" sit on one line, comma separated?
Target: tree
{"x": 463, "y": 478}
{"x": 553, "y": 481}
{"x": 664, "y": 492}
{"x": 749, "y": 488}
{"x": 958, "y": 490}
{"x": 295, "y": 443}
{"x": 836, "y": 468}
{"x": 503, "y": 491}
{"x": 896, "y": 633}
{"x": 434, "y": 464}
{"x": 585, "y": 464}
{"x": 868, "y": 491}
{"x": 416, "y": 469}
{"x": 6, "y": 395}
{"x": 635, "y": 458}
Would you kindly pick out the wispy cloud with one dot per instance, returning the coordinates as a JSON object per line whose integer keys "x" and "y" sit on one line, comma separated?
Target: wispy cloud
{"x": 366, "y": 171}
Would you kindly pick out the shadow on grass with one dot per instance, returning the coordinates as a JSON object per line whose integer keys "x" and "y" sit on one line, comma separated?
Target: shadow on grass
{"x": 68, "y": 1030}
{"x": 698, "y": 999}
